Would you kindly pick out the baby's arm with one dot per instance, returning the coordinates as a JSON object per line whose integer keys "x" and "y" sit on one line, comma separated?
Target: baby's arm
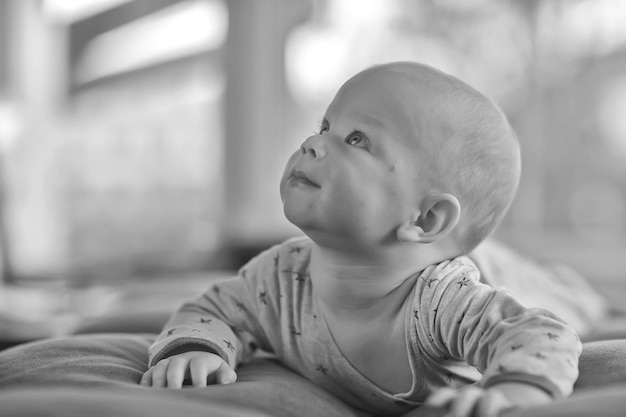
{"x": 527, "y": 356}
{"x": 207, "y": 337}
{"x": 199, "y": 342}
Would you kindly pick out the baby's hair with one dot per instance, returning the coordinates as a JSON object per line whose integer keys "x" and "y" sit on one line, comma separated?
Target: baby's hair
{"x": 471, "y": 150}
{"x": 486, "y": 175}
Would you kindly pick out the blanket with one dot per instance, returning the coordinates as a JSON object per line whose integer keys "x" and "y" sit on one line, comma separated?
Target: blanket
{"x": 97, "y": 375}
{"x": 545, "y": 284}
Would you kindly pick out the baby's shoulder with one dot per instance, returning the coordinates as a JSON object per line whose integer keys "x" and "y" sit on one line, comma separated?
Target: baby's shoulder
{"x": 290, "y": 255}
{"x": 461, "y": 271}
{"x": 295, "y": 247}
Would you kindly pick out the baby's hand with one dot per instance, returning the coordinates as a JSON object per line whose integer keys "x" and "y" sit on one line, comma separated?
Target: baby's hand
{"x": 469, "y": 401}
{"x": 201, "y": 367}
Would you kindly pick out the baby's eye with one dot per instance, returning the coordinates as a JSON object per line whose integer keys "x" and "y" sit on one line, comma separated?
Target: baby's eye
{"x": 324, "y": 127}
{"x": 358, "y": 139}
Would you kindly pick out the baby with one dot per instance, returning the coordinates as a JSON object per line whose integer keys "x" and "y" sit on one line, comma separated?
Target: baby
{"x": 410, "y": 170}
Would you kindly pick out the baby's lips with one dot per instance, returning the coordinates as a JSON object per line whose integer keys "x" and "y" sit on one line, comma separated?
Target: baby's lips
{"x": 301, "y": 175}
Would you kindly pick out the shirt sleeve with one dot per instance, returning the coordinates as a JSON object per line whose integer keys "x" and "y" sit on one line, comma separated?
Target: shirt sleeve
{"x": 462, "y": 319}
{"x": 223, "y": 320}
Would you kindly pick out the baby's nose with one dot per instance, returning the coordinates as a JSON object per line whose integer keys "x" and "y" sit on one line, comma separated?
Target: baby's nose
{"x": 314, "y": 146}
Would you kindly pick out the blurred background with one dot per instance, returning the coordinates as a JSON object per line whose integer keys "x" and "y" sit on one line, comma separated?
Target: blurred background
{"x": 145, "y": 139}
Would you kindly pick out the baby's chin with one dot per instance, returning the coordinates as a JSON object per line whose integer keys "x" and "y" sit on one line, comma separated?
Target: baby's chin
{"x": 291, "y": 215}
{"x": 283, "y": 189}
{"x": 299, "y": 218}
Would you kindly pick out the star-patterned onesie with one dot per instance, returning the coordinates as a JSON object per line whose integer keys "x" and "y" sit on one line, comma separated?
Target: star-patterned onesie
{"x": 456, "y": 329}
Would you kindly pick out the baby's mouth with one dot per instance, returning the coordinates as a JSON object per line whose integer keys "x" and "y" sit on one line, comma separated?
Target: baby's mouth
{"x": 300, "y": 177}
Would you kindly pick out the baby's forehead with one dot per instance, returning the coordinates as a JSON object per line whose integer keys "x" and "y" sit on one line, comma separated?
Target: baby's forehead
{"x": 416, "y": 89}
{"x": 427, "y": 90}
{"x": 375, "y": 94}
{"x": 417, "y": 92}
{"x": 388, "y": 87}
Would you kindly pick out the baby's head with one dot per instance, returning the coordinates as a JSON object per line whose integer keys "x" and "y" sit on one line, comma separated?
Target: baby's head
{"x": 404, "y": 152}
{"x": 469, "y": 148}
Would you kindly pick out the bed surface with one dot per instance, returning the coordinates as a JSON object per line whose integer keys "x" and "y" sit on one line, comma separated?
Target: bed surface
{"x": 98, "y": 374}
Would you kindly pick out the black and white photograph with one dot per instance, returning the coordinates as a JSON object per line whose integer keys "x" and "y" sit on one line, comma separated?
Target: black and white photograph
{"x": 313, "y": 208}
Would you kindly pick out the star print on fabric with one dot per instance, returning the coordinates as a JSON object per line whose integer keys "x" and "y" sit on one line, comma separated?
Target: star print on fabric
{"x": 263, "y": 297}
{"x": 552, "y": 336}
{"x": 416, "y": 314}
{"x": 540, "y": 355}
{"x": 463, "y": 282}
{"x": 322, "y": 369}
{"x": 456, "y": 263}
{"x": 241, "y": 306}
{"x": 229, "y": 345}
{"x": 297, "y": 275}
{"x": 295, "y": 332}
{"x": 170, "y": 332}
{"x": 205, "y": 321}
{"x": 502, "y": 369}
{"x": 430, "y": 281}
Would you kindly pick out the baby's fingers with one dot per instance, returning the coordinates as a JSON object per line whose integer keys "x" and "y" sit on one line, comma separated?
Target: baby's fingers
{"x": 457, "y": 403}
{"x": 464, "y": 405}
{"x": 225, "y": 374}
{"x": 146, "y": 378}
{"x": 201, "y": 367}
{"x": 199, "y": 370}
{"x": 210, "y": 369}
{"x": 176, "y": 371}
{"x": 492, "y": 404}
{"x": 158, "y": 374}
{"x": 441, "y": 398}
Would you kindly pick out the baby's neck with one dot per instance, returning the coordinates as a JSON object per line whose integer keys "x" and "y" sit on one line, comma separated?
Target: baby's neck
{"x": 351, "y": 286}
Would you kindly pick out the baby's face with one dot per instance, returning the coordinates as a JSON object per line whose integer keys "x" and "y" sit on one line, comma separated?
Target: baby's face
{"x": 356, "y": 180}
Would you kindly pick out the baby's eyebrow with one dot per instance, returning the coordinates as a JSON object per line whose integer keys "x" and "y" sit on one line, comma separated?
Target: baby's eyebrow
{"x": 371, "y": 120}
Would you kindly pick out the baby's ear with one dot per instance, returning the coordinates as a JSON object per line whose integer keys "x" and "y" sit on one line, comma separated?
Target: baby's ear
{"x": 436, "y": 217}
